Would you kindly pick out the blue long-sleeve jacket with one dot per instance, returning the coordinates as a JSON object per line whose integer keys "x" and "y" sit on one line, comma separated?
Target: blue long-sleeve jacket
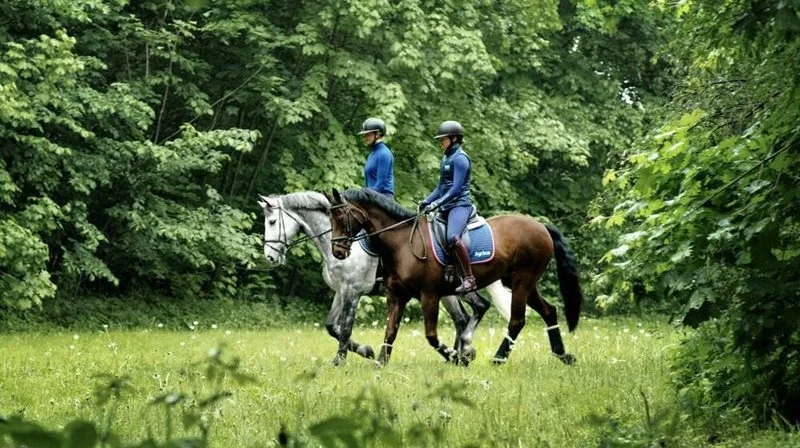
{"x": 454, "y": 178}
{"x": 379, "y": 170}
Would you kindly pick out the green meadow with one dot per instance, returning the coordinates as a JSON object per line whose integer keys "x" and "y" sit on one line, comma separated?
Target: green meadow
{"x": 619, "y": 389}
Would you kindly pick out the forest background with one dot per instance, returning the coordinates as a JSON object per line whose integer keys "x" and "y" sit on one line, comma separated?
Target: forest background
{"x": 662, "y": 138}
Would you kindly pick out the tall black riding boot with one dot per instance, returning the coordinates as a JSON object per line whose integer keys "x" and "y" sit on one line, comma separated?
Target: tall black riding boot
{"x": 468, "y": 284}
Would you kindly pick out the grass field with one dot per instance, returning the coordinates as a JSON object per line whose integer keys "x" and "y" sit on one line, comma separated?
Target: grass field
{"x": 417, "y": 399}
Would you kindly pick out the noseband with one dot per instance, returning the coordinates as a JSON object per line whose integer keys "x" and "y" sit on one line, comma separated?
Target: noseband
{"x": 345, "y": 242}
{"x": 283, "y": 239}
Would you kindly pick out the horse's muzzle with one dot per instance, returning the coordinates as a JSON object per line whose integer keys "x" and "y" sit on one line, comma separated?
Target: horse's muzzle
{"x": 340, "y": 250}
{"x": 340, "y": 253}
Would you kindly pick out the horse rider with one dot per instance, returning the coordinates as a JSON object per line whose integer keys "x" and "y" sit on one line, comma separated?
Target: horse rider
{"x": 452, "y": 196}
{"x": 379, "y": 167}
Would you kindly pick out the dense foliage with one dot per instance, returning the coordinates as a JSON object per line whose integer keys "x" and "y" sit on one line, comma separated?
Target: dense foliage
{"x": 135, "y": 136}
{"x": 708, "y": 206}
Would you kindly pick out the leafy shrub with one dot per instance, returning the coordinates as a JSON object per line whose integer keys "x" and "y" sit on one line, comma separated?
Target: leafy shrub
{"x": 147, "y": 310}
{"x": 195, "y": 411}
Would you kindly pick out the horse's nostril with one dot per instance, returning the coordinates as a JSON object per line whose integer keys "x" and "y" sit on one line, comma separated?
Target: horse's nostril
{"x": 270, "y": 258}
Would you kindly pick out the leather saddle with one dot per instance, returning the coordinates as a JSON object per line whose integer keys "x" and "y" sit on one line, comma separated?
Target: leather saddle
{"x": 440, "y": 228}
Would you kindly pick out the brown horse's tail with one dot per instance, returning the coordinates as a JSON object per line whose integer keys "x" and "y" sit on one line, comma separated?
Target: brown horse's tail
{"x": 568, "y": 282}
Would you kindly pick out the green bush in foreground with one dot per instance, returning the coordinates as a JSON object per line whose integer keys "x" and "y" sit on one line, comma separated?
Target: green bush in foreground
{"x": 195, "y": 412}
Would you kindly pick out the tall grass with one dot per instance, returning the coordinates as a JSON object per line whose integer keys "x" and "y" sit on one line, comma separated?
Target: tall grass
{"x": 298, "y": 397}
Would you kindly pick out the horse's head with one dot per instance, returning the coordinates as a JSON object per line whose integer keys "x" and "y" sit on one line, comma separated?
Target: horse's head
{"x": 347, "y": 220}
{"x": 279, "y": 228}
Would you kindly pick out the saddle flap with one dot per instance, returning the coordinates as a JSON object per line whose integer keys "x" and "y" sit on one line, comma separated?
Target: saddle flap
{"x": 440, "y": 228}
{"x": 478, "y": 238}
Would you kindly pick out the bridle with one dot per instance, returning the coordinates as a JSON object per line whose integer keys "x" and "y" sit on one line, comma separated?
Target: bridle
{"x": 345, "y": 242}
{"x": 283, "y": 239}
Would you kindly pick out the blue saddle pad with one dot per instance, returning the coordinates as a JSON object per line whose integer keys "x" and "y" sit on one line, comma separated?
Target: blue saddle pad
{"x": 481, "y": 245}
{"x": 364, "y": 242}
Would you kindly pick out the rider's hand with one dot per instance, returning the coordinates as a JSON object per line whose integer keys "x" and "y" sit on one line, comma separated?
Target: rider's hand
{"x": 421, "y": 207}
{"x": 430, "y": 208}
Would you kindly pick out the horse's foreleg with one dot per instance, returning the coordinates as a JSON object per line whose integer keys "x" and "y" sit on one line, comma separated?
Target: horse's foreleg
{"x": 459, "y": 315}
{"x": 430, "y": 312}
{"x": 395, "y": 306}
{"x": 479, "y": 307}
{"x": 333, "y": 325}
{"x": 346, "y": 320}
{"x": 332, "y": 321}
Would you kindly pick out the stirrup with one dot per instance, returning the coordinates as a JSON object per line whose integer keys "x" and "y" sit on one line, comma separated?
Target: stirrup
{"x": 467, "y": 285}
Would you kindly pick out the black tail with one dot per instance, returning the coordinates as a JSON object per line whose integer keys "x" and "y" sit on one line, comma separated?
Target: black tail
{"x": 568, "y": 281}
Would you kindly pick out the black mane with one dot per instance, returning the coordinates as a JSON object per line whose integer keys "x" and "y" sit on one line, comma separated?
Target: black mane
{"x": 372, "y": 197}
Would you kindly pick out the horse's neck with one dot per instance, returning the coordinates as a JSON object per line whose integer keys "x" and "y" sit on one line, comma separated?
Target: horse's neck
{"x": 316, "y": 224}
{"x": 379, "y": 221}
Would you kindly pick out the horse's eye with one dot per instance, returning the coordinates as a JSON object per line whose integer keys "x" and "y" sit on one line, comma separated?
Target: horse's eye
{"x": 272, "y": 222}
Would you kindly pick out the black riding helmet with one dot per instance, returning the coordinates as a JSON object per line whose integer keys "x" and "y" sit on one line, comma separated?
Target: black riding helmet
{"x": 373, "y": 125}
{"x": 449, "y": 128}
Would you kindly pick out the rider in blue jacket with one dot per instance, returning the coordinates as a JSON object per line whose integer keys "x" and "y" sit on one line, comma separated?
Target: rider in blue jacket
{"x": 379, "y": 169}
{"x": 452, "y": 195}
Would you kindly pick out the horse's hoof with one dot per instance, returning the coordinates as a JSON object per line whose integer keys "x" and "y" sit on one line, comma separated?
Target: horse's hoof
{"x": 337, "y": 360}
{"x": 499, "y": 361}
{"x": 468, "y": 353}
{"x": 366, "y": 351}
{"x": 378, "y": 365}
{"x": 567, "y": 358}
{"x": 452, "y": 357}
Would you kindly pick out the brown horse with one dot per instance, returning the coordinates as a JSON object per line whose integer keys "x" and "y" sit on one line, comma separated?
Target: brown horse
{"x": 523, "y": 248}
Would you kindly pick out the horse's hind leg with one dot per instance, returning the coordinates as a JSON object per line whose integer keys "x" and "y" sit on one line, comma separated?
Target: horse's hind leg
{"x": 550, "y": 316}
{"x": 522, "y": 286}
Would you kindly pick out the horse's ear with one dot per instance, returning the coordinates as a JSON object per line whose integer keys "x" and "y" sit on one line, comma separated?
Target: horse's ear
{"x": 337, "y": 197}
{"x": 263, "y": 201}
{"x": 327, "y": 196}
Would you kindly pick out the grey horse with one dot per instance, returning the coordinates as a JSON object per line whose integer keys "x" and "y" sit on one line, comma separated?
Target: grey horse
{"x": 287, "y": 215}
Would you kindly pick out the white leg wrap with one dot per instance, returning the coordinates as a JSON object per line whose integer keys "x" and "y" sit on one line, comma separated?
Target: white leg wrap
{"x": 552, "y": 327}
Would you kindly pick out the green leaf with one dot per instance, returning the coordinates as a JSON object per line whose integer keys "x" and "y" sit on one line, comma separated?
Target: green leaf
{"x": 683, "y": 252}
{"x": 334, "y": 430}
{"x": 80, "y": 434}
